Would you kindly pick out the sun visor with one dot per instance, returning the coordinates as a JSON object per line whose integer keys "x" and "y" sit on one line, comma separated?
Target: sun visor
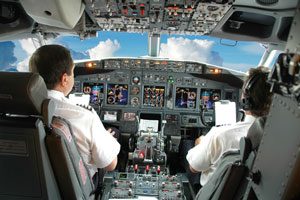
{"x": 59, "y": 13}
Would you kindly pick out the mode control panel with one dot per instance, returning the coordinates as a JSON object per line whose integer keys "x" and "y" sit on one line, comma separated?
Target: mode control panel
{"x": 190, "y": 120}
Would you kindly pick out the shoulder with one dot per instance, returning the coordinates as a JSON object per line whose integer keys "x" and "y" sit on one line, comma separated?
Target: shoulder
{"x": 218, "y": 133}
{"x": 72, "y": 108}
{"x": 86, "y": 107}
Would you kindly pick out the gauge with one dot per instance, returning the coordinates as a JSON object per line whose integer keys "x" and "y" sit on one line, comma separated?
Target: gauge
{"x": 111, "y": 100}
{"x": 135, "y": 101}
{"x": 136, "y": 79}
{"x": 135, "y": 90}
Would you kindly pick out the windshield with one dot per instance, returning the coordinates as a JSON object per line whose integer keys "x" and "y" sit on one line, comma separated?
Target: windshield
{"x": 238, "y": 56}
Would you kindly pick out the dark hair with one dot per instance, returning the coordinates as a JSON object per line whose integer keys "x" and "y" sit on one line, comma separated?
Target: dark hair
{"x": 256, "y": 92}
{"x": 51, "y": 62}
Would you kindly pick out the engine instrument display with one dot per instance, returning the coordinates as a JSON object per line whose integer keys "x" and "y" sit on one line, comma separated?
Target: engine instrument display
{"x": 153, "y": 96}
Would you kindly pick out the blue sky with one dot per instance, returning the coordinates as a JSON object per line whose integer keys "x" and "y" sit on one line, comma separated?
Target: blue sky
{"x": 240, "y": 57}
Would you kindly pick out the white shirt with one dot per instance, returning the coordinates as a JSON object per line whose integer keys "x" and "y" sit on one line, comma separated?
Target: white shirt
{"x": 204, "y": 156}
{"x": 97, "y": 146}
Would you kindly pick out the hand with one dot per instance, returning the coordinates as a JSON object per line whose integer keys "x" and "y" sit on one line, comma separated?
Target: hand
{"x": 112, "y": 132}
{"x": 197, "y": 141}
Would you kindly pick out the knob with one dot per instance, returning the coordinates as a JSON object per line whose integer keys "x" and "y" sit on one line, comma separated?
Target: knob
{"x": 130, "y": 184}
{"x": 130, "y": 192}
{"x": 116, "y": 183}
{"x": 135, "y": 168}
{"x": 179, "y": 193}
{"x": 147, "y": 168}
{"x": 158, "y": 169}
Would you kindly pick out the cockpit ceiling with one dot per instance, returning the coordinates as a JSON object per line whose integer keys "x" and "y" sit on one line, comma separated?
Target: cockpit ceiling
{"x": 252, "y": 20}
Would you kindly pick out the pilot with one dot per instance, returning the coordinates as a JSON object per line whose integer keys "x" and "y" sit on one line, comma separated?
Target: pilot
{"x": 98, "y": 148}
{"x": 208, "y": 149}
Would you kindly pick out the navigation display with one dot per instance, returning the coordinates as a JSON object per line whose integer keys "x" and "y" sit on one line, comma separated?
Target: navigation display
{"x": 186, "y": 98}
{"x": 208, "y": 97}
{"x": 95, "y": 90}
{"x": 117, "y": 94}
{"x": 154, "y": 96}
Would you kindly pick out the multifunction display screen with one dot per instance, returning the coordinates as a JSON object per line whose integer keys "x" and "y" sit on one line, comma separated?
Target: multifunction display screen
{"x": 186, "y": 98}
{"x": 208, "y": 97}
{"x": 117, "y": 94}
{"x": 95, "y": 90}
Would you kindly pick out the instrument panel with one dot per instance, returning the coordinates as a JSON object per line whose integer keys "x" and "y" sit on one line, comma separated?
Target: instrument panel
{"x": 178, "y": 92}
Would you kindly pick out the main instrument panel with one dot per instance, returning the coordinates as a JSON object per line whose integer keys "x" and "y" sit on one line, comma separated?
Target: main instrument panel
{"x": 155, "y": 104}
{"x": 182, "y": 93}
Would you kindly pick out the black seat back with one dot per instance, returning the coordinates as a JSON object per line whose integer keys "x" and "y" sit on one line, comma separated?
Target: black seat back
{"x": 26, "y": 122}
{"x": 230, "y": 179}
{"x": 25, "y": 169}
{"x": 226, "y": 179}
{"x": 70, "y": 170}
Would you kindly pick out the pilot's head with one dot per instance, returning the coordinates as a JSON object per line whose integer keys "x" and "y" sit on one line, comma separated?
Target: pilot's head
{"x": 256, "y": 95}
{"x": 54, "y": 63}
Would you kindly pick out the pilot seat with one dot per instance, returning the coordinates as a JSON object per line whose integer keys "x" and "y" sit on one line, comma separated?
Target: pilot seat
{"x": 38, "y": 156}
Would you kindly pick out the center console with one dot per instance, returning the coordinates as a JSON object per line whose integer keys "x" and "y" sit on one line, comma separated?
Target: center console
{"x": 147, "y": 174}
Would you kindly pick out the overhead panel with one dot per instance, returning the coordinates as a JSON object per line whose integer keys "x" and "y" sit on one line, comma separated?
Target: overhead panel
{"x": 158, "y": 16}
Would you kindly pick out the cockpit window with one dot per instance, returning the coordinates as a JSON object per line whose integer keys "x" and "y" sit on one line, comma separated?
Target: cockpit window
{"x": 240, "y": 56}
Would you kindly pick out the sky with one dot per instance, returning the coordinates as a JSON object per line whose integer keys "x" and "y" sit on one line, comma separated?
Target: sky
{"x": 239, "y": 56}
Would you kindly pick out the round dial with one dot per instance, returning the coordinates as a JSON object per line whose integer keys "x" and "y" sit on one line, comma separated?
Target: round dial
{"x": 136, "y": 79}
{"x": 135, "y": 90}
{"x": 135, "y": 101}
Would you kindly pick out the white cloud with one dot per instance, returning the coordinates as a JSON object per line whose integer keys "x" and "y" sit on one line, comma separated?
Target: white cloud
{"x": 29, "y": 47}
{"x": 186, "y": 49}
{"x": 255, "y": 48}
{"x": 23, "y": 66}
{"x": 104, "y": 49}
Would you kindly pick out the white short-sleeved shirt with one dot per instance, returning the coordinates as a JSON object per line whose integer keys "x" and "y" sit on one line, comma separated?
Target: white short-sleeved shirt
{"x": 97, "y": 146}
{"x": 204, "y": 156}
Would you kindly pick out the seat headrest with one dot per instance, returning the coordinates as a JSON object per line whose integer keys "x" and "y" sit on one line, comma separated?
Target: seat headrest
{"x": 22, "y": 93}
{"x": 256, "y": 132}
